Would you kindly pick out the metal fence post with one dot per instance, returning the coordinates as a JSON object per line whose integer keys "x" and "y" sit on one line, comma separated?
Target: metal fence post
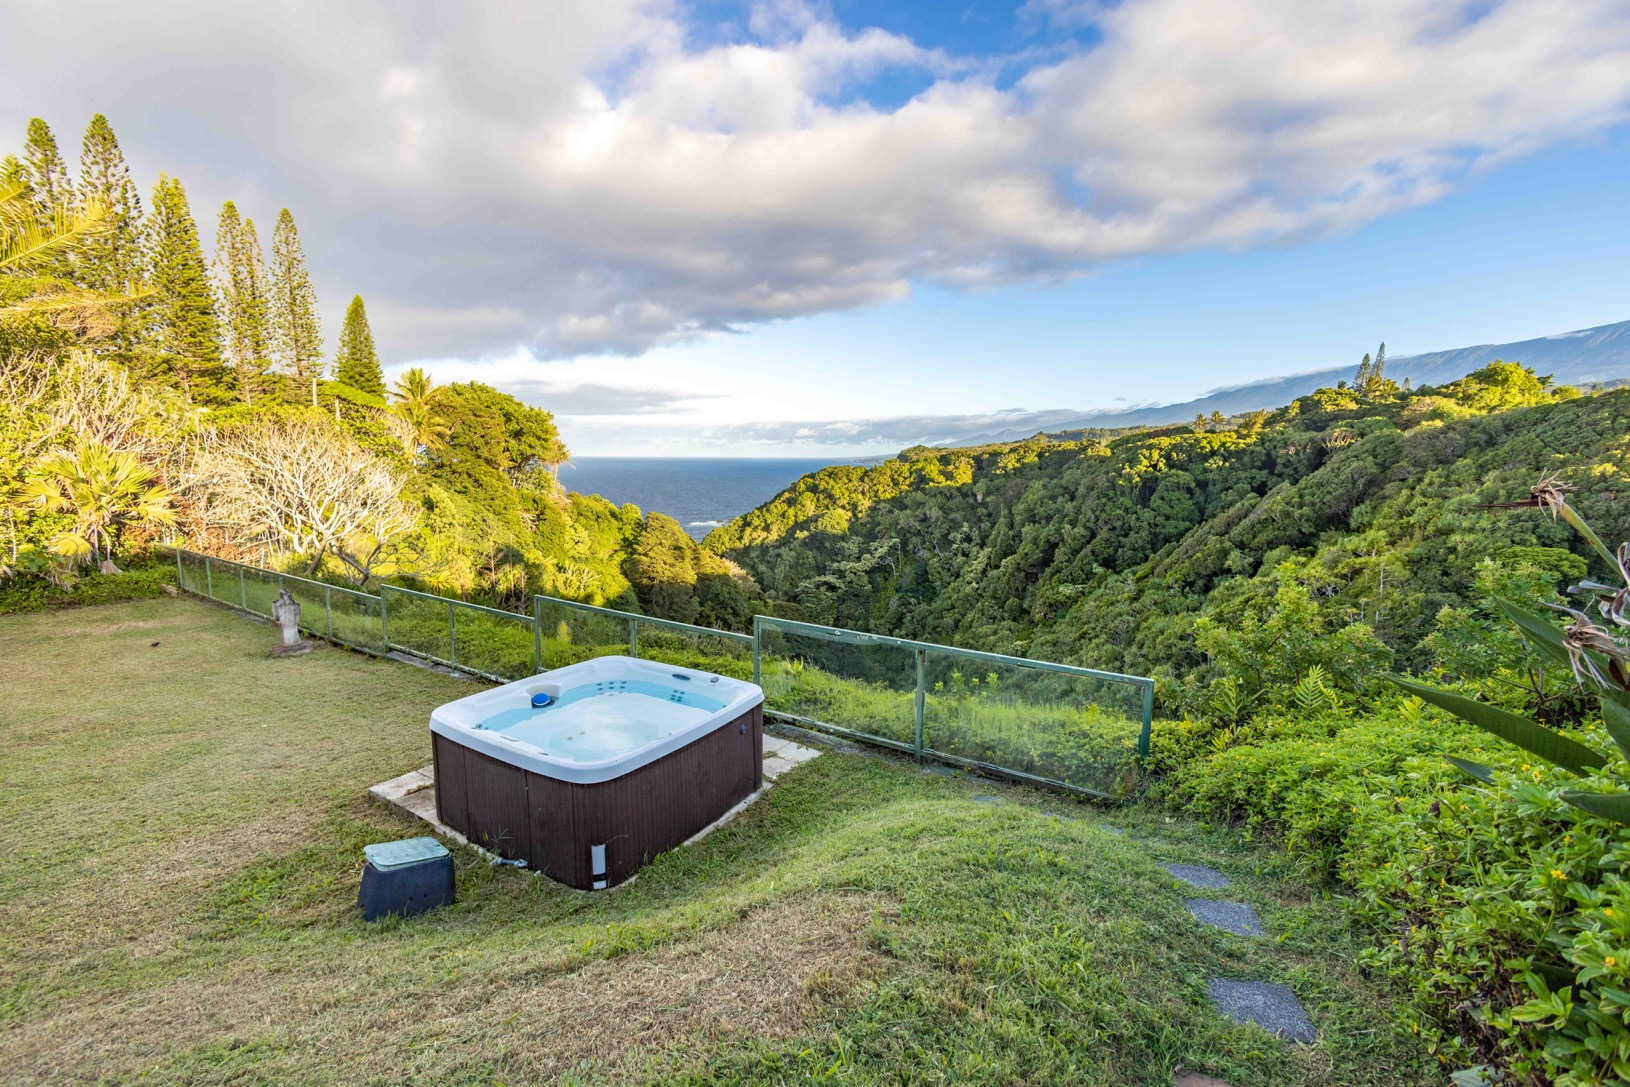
{"x": 179, "y": 583}
{"x": 243, "y": 591}
{"x": 1148, "y": 719}
{"x": 918, "y": 705}
{"x": 758, "y": 663}
{"x": 384, "y": 627}
{"x": 328, "y": 609}
{"x": 537, "y": 635}
{"x": 452, "y": 636}
{"x": 209, "y": 580}
{"x": 633, "y": 637}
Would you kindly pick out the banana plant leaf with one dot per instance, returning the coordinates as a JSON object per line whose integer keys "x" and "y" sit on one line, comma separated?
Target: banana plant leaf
{"x": 1614, "y": 806}
{"x": 1553, "y": 747}
{"x": 1477, "y": 770}
{"x": 1541, "y": 633}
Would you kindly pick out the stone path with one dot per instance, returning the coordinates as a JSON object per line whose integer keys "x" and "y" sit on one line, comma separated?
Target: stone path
{"x": 1198, "y": 875}
{"x": 415, "y": 792}
{"x": 1271, "y": 1006}
{"x": 1235, "y": 917}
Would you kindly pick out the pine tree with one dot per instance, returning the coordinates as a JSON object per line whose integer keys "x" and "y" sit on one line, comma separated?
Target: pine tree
{"x": 295, "y": 335}
{"x": 45, "y": 172}
{"x": 1378, "y": 370}
{"x": 240, "y": 278}
{"x": 1362, "y": 378}
{"x": 112, "y": 261}
{"x": 186, "y": 335}
{"x": 355, "y": 361}
{"x": 50, "y": 189}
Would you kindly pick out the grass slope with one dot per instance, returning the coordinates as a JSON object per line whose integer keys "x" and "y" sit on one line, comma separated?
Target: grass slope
{"x": 180, "y": 826}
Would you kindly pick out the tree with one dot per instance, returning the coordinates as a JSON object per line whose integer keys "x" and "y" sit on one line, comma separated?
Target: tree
{"x": 428, "y": 429}
{"x": 1362, "y": 378}
{"x": 240, "y": 278}
{"x": 26, "y": 244}
{"x": 301, "y": 486}
{"x": 45, "y": 173}
{"x": 185, "y": 332}
{"x": 112, "y": 261}
{"x": 103, "y": 490}
{"x": 296, "y": 335}
{"x": 355, "y": 361}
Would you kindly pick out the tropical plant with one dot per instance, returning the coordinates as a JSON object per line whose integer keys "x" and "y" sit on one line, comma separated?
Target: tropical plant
{"x": 1596, "y": 655}
{"x": 26, "y": 240}
{"x": 415, "y": 406}
{"x": 102, "y": 490}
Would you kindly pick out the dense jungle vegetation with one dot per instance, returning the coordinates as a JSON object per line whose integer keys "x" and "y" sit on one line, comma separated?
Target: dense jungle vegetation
{"x": 151, "y": 389}
{"x": 1272, "y": 571}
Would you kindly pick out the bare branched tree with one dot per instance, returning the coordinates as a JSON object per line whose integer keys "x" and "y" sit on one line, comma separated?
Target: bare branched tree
{"x": 300, "y": 486}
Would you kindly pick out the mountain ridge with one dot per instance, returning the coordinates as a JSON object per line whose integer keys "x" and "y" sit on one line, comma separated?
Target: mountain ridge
{"x": 1580, "y": 357}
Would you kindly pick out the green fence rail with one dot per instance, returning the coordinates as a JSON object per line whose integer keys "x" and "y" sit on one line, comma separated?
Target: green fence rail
{"x": 1058, "y": 725}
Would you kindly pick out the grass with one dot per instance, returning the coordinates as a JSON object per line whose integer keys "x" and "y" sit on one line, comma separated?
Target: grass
{"x": 181, "y": 820}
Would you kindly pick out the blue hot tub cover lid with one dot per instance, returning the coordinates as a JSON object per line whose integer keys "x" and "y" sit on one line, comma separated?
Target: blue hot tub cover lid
{"x": 385, "y": 856}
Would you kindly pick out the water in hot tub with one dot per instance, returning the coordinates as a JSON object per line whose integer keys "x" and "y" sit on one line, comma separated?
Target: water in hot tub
{"x": 599, "y": 721}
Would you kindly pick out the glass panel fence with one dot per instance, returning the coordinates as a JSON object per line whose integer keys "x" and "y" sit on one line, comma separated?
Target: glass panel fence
{"x": 856, "y": 683}
{"x": 1078, "y": 730}
{"x": 418, "y": 623}
{"x": 568, "y": 632}
{"x": 1031, "y": 719}
{"x": 496, "y": 644}
{"x": 716, "y": 651}
{"x": 356, "y": 619}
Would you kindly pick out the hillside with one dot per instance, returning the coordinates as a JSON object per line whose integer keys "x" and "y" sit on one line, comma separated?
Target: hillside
{"x": 1584, "y": 357}
{"x": 148, "y": 390}
{"x": 1122, "y": 554}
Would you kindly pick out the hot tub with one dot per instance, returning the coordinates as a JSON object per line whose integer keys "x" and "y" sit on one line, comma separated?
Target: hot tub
{"x": 627, "y": 758}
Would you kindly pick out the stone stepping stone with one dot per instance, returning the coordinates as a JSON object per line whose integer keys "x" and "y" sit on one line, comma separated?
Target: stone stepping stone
{"x": 986, "y": 798}
{"x": 1198, "y": 875}
{"x": 1269, "y": 1005}
{"x": 1235, "y": 917}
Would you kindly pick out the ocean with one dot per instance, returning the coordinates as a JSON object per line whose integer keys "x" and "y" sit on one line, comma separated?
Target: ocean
{"x": 700, "y": 493}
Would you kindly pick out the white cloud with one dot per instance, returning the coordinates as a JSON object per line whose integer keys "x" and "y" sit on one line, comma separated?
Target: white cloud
{"x": 581, "y": 177}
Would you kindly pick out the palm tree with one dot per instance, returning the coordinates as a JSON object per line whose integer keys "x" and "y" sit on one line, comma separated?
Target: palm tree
{"x": 26, "y": 243}
{"x": 414, "y": 395}
{"x": 103, "y": 490}
{"x": 24, "y": 240}
{"x": 413, "y": 385}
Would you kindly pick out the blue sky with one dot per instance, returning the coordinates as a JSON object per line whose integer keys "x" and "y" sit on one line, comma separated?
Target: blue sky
{"x": 796, "y": 227}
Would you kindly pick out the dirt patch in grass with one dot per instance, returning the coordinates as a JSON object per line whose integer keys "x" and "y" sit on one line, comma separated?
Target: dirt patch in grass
{"x": 537, "y": 1017}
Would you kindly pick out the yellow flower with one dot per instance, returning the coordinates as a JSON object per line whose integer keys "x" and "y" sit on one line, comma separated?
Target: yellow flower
{"x": 1610, "y": 961}
{"x": 1557, "y": 873}
{"x": 1608, "y": 911}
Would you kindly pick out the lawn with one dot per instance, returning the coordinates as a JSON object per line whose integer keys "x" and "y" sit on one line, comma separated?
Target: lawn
{"x": 181, "y": 823}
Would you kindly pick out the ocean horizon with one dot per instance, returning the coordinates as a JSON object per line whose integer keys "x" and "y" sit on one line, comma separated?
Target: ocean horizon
{"x": 701, "y": 493}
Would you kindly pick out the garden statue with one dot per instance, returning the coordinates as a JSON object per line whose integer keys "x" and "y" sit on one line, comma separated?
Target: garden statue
{"x": 287, "y": 614}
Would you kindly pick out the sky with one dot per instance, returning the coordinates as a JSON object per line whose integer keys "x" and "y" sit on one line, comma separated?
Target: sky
{"x": 793, "y": 228}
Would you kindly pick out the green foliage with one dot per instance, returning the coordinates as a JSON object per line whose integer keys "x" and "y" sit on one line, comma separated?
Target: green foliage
{"x": 1110, "y": 553}
{"x": 183, "y": 331}
{"x": 1499, "y": 386}
{"x": 112, "y": 262}
{"x": 294, "y": 331}
{"x": 139, "y": 581}
{"x": 356, "y": 363}
{"x": 241, "y": 284}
